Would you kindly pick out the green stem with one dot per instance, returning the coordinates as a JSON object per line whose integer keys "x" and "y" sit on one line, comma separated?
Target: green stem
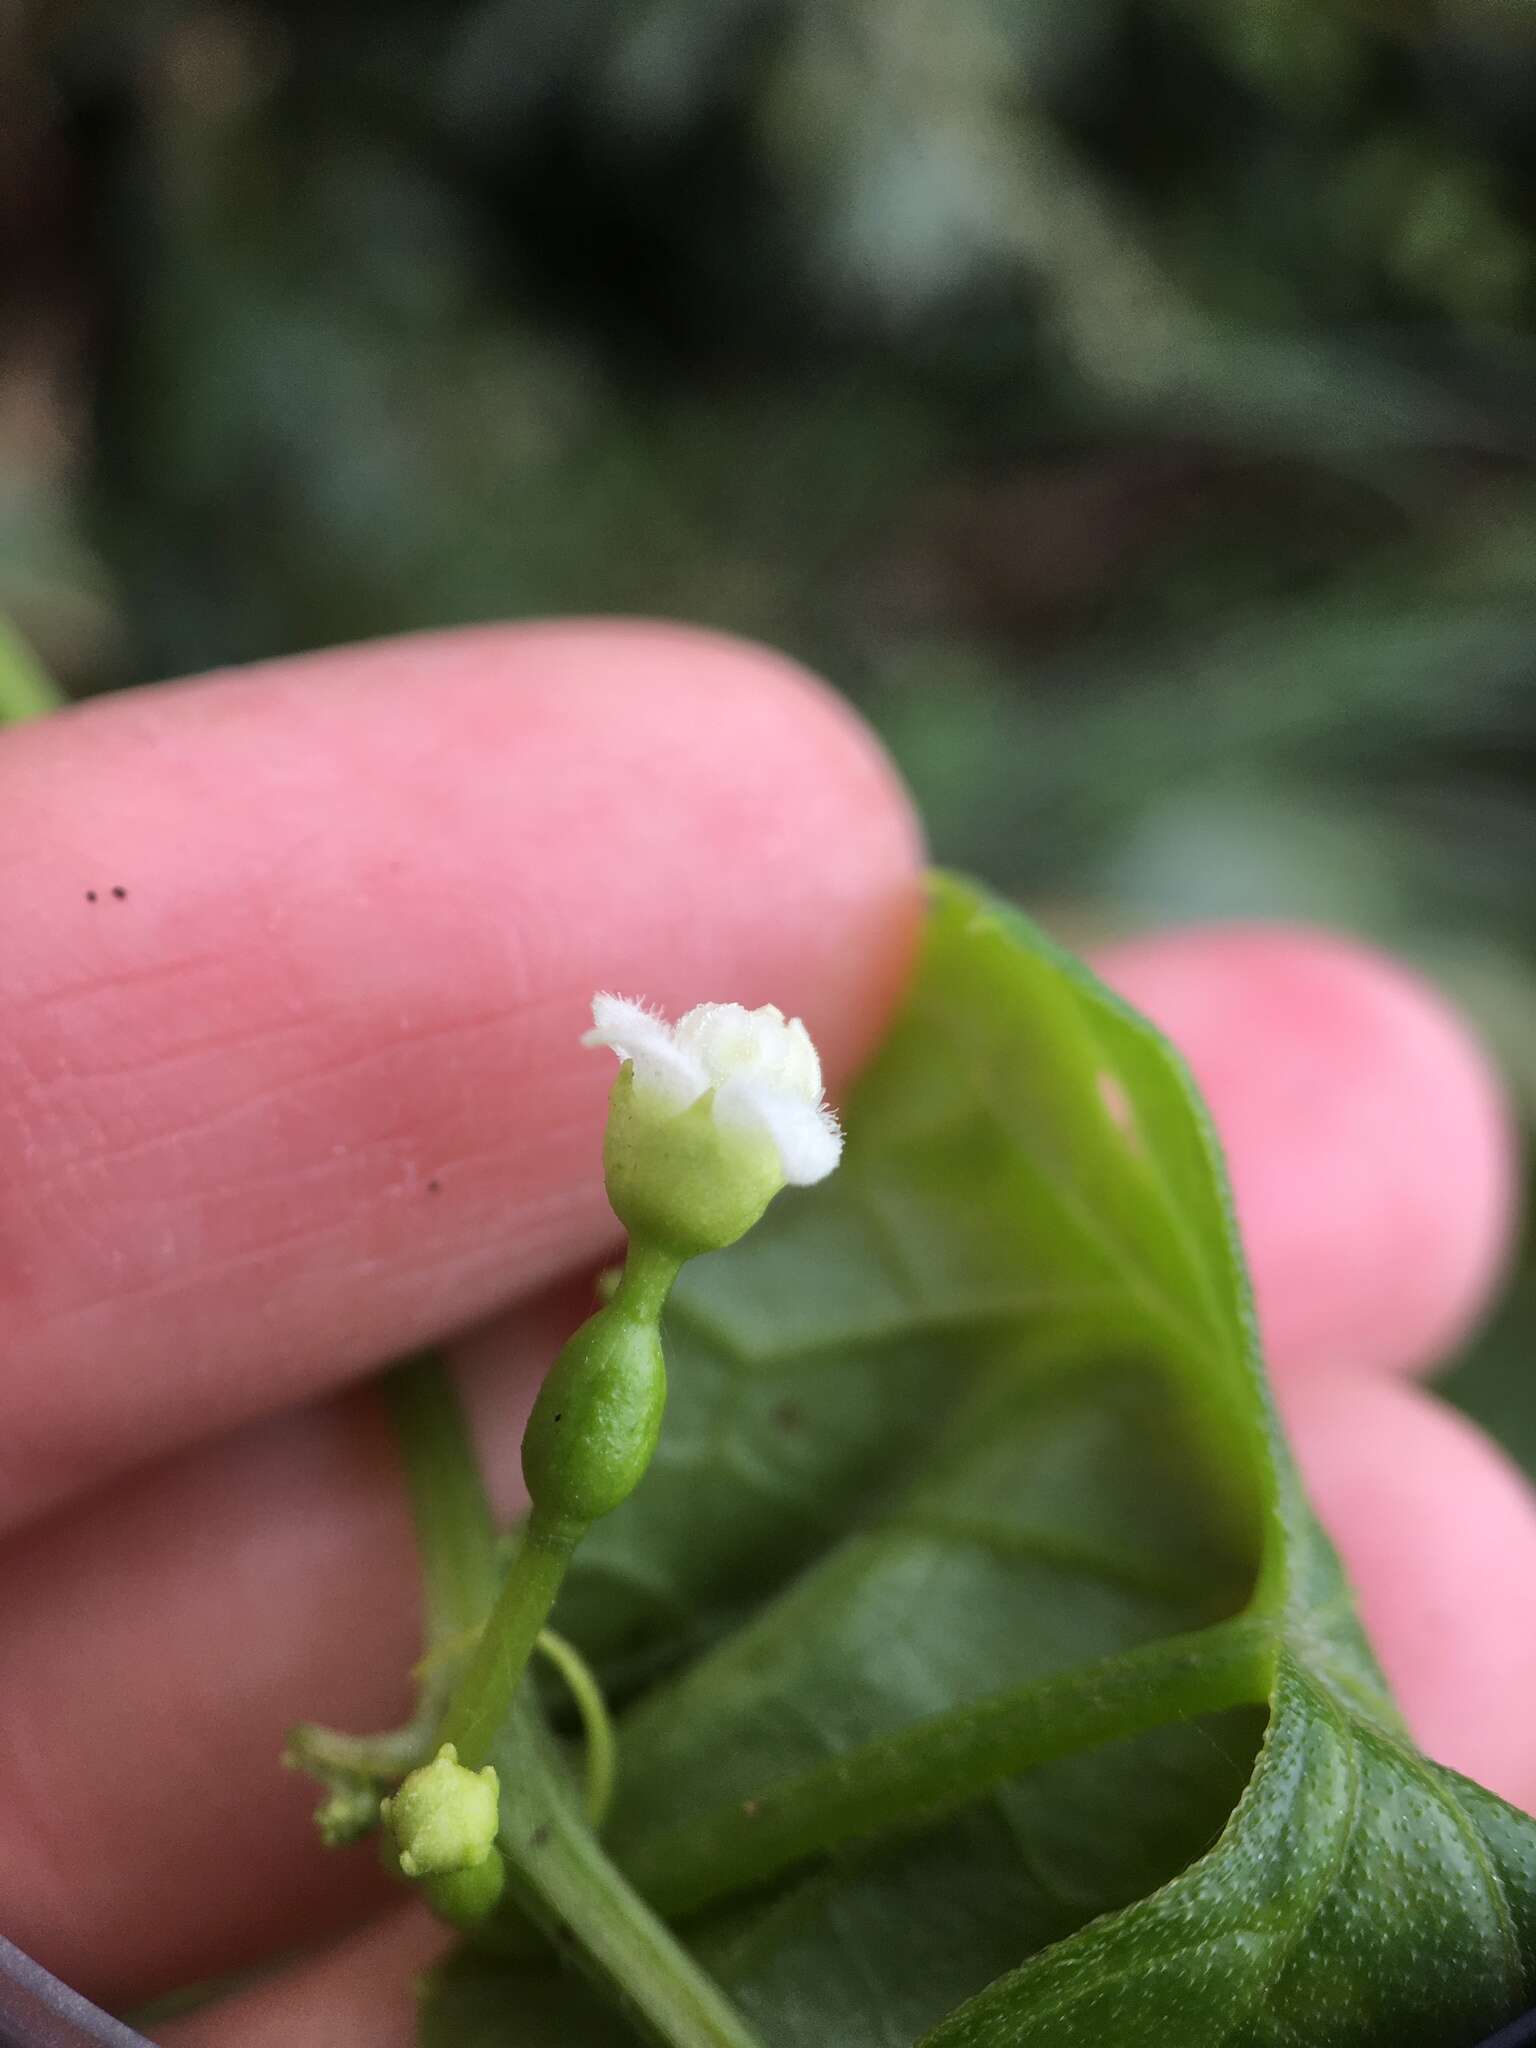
{"x": 645, "y": 1282}
{"x": 562, "y": 1877}
{"x": 484, "y": 1693}
{"x": 455, "y": 1532}
{"x": 556, "y": 1870}
{"x": 597, "y": 1729}
{"x": 330, "y": 1753}
{"x": 456, "y": 1544}
{"x": 26, "y": 688}
{"x": 573, "y": 1479}
{"x": 933, "y": 1768}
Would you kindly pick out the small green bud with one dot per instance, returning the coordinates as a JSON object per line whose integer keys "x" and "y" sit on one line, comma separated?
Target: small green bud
{"x": 466, "y": 1898}
{"x": 444, "y": 1817}
{"x": 595, "y": 1423}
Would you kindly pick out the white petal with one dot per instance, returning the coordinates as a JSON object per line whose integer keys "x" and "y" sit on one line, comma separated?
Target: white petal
{"x": 761, "y": 1044}
{"x": 804, "y": 1134}
{"x": 623, "y": 1026}
{"x": 636, "y": 1033}
{"x": 801, "y": 1068}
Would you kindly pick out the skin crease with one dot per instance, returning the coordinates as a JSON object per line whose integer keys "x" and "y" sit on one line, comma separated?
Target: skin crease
{"x": 156, "y": 1074}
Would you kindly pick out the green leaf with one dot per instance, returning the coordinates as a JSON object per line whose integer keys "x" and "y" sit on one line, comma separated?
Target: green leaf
{"x": 986, "y": 1679}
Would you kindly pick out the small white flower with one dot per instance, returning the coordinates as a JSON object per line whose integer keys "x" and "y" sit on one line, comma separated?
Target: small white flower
{"x": 759, "y": 1067}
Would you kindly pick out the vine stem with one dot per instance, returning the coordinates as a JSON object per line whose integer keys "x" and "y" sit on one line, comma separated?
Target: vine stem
{"x": 483, "y": 1692}
{"x": 596, "y": 1727}
{"x": 496, "y": 1665}
{"x": 457, "y": 1550}
{"x": 558, "y": 1872}
{"x": 566, "y": 1882}
{"x": 455, "y": 1530}
{"x": 933, "y": 1768}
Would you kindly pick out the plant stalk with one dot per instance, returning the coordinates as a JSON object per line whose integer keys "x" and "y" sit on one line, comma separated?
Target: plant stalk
{"x": 925, "y": 1772}
{"x": 488, "y": 1684}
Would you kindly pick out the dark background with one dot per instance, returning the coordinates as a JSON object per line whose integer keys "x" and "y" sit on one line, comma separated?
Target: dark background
{"x": 1130, "y": 403}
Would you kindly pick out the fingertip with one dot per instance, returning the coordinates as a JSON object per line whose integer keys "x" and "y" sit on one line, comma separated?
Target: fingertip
{"x": 859, "y": 836}
{"x": 1371, "y": 1152}
{"x": 1437, "y": 1532}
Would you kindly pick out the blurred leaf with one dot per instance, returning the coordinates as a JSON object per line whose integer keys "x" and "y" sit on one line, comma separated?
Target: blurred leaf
{"x": 26, "y": 690}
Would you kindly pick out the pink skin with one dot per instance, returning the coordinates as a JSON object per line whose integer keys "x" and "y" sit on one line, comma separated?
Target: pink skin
{"x": 368, "y": 893}
{"x": 1438, "y": 1530}
{"x": 1369, "y": 1146}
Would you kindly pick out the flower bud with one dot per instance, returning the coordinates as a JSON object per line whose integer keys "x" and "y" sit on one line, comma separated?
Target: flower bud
{"x": 708, "y": 1119}
{"x": 444, "y": 1817}
{"x": 683, "y": 1181}
{"x": 467, "y": 1898}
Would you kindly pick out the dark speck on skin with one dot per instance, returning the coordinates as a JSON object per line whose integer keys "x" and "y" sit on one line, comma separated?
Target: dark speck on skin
{"x": 539, "y": 1836}
{"x": 90, "y": 895}
{"x": 434, "y": 1187}
{"x": 558, "y": 1413}
{"x": 120, "y": 894}
{"x": 789, "y": 1415}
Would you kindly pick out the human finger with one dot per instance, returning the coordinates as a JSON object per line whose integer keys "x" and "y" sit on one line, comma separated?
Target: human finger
{"x": 1437, "y": 1531}
{"x": 356, "y": 1995}
{"x": 294, "y": 966}
{"x": 1372, "y": 1156}
{"x": 163, "y": 1637}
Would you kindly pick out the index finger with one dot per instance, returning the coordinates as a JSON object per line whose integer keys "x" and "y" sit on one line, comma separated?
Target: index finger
{"x": 294, "y": 963}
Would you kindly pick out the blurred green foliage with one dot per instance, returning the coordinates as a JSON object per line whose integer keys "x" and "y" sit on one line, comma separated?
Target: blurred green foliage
{"x": 1131, "y": 403}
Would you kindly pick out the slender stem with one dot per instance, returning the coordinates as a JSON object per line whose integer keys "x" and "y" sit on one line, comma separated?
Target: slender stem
{"x": 26, "y": 688}
{"x": 484, "y": 1693}
{"x": 456, "y": 1543}
{"x": 560, "y": 1874}
{"x": 483, "y": 1696}
{"x": 601, "y": 1760}
{"x": 935, "y": 1767}
{"x": 383, "y": 1757}
{"x": 556, "y": 1870}
{"x": 455, "y": 1532}
{"x": 645, "y": 1282}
